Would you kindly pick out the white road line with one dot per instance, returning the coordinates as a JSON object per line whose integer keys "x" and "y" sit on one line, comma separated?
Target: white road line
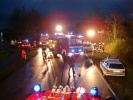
{"x": 106, "y": 83}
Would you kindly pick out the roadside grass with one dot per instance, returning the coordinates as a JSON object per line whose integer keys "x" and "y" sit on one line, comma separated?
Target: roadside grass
{"x": 4, "y": 54}
{"x": 123, "y": 86}
{"x": 17, "y": 64}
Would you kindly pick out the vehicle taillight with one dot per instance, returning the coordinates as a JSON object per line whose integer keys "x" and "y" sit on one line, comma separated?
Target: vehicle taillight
{"x": 108, "y": 70}
{"x": 123, "y": 71}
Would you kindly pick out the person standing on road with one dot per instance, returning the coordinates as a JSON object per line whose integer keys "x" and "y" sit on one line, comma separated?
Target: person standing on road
{"x": 79, "y": 63}
{"x": 71, "y": 63}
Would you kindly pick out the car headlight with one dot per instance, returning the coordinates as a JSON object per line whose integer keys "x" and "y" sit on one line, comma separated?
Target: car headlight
{"x": 70, "y": 54}
{"x": 81, "y": 53}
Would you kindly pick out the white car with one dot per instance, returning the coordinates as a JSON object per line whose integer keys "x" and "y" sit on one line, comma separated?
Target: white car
{"x": 112, "y": 66}
{"x": 87, "y": 47}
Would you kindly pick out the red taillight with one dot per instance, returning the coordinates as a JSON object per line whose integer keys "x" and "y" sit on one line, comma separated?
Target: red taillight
{"x": 108, "y": 70}
{"x": 123, "y": 71}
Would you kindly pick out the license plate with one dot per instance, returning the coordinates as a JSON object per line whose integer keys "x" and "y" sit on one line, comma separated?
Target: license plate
{"x": 116, "y": 71}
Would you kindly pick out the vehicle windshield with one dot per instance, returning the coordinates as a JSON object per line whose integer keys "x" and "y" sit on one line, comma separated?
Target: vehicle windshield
{"x": 116, "y": 66}
{"x": 75, "y": 41}
{"x": 43, "y": 38}
{"x": 87, "y": 45}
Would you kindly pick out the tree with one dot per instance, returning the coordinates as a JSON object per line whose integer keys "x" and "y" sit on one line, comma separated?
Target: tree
{"x": 33, "y": 22}
{"x": 129, "y": 28}
{"x": 23, "y": 23}
{"x": 16, "y": 22}
{"x": 114, "y": 26}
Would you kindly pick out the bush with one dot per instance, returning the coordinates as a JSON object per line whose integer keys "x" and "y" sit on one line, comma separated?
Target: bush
{"x": 122, "y": 48}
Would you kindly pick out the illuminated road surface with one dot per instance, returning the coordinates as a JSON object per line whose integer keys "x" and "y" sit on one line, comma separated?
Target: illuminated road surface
{"x": 20, "y": 84}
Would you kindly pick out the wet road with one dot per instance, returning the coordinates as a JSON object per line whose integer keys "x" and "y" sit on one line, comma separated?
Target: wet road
{"x": 20, "y": 84}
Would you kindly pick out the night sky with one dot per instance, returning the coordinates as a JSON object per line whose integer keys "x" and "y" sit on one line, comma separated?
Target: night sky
{"x": 75, "y": 9}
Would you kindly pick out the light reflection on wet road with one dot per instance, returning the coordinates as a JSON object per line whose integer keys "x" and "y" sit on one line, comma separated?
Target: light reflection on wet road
{"x": 20, "y": 84}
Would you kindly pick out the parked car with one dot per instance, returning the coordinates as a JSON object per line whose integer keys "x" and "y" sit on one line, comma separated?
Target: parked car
{"x": 26, "y": 44}
{"x": 87, "y": 47}
{"x": 112, "y": 66}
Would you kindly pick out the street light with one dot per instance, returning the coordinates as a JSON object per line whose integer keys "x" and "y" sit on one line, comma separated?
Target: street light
{"x": 91, "y": 33}
{"x": 59, "y": 28}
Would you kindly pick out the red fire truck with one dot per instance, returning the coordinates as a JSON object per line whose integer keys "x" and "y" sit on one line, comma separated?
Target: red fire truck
{"x": 44, "y": 39}
{"x": 65, "y": 93}
{"x": 67, "y": 44}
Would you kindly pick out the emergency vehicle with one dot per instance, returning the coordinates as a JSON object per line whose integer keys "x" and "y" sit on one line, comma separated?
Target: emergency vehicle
{"x": 66, "y": 93}
{"x": 44, "y": 39}
{"x": 67, "y": 44}
{"x": 87, "y": 46}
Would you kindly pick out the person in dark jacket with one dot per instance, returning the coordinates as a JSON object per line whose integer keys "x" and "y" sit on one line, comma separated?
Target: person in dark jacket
{"x": 71, "y": 63}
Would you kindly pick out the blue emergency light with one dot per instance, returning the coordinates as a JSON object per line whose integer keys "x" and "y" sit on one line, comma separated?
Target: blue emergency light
{"x": 73, "y": 50}
{"x": 80, "y": 50}
{"x": 37, "y": 87}
{"x": 94, "y": 92}
{"x": 27, "y": 40}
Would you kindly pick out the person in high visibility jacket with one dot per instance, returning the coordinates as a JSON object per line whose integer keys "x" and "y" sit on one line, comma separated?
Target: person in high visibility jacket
{"x": 12, "y": 43}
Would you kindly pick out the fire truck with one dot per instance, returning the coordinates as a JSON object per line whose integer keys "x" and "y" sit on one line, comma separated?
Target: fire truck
{"x": 66, "y": 93}
{"x": 66, "y": 44}
{"x": 44, "y": 39}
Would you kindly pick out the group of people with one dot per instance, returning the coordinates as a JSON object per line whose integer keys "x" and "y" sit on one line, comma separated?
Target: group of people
{"x": 47, "y": 55}
{"x": 71, "y": 61}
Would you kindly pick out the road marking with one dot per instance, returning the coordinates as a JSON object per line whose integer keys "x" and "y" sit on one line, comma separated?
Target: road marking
{"x": 107, "y": 84}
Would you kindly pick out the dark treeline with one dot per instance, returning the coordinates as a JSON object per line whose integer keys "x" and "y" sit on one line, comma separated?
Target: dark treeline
{"x": 23, "y": 24}
{"x": 27, "y": 24}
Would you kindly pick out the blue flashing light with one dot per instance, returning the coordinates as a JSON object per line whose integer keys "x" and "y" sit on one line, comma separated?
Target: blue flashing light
{"x": 80, "y": 50}
{"x": 73, "y": 50}
{"x": 27, "y": 40}
{"x": 94, "y": 92}
{"x": 37, "y": 87}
